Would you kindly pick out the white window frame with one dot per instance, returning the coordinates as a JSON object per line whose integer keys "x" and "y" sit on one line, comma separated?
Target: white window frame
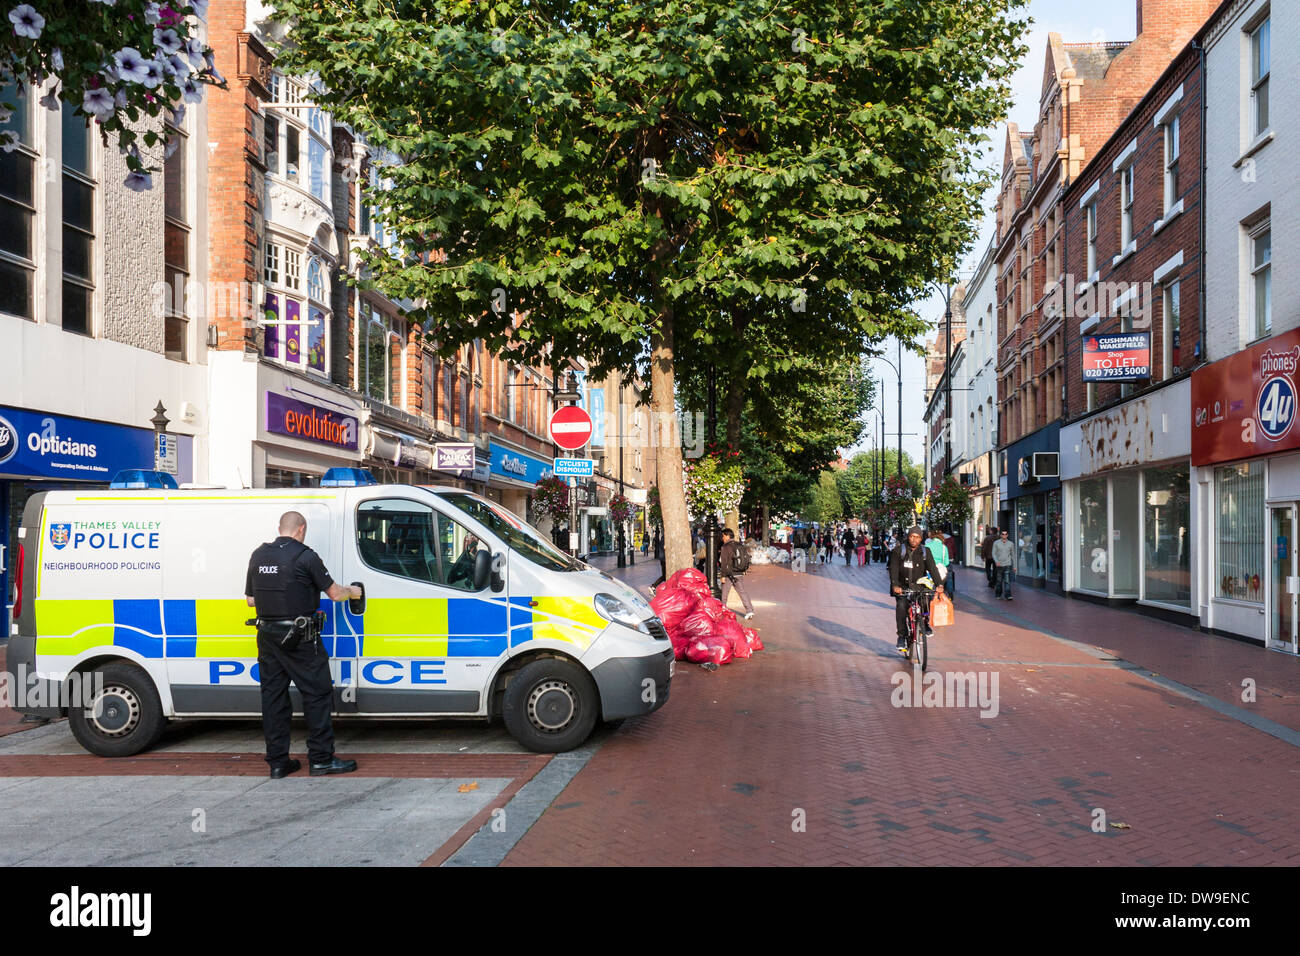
{"x": 1168, "y": 328}
{"x": 1090, "y": 227}
{"x": 1261, "y": 36}
{"x": 1172, "y": 131}
{"x": 1265, "y": 271}
{"x": 1127, "y": 182}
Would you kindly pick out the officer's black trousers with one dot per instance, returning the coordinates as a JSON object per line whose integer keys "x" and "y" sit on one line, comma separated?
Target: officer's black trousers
{"x": 307, "y": 665}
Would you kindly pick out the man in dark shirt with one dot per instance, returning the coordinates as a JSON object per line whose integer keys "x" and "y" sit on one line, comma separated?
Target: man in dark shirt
{"x": 285, "y": 581}
{"x": 908, "y": 564}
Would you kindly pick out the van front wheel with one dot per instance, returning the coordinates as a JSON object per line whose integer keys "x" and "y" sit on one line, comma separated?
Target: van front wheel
{"x": 551, "y": 706}
{"x": 125, "y": 715}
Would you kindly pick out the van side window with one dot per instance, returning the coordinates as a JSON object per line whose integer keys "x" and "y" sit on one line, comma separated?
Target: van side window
{"x": 456, "y": 550}
{"x": 397, "y": 536}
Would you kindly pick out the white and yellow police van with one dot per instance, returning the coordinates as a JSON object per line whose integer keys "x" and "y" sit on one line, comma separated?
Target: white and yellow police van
{"x": 467, "y": 611}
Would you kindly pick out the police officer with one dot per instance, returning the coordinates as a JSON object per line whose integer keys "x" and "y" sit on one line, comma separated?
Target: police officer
{"x": 285, "y": 580}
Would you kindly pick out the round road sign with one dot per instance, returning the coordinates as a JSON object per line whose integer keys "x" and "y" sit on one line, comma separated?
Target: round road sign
{"x": 570, "y": 427}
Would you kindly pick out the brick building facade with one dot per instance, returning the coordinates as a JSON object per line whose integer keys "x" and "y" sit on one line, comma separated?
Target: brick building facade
{"x": 1133, "y": 220}
{"x": 1087, "y": 91}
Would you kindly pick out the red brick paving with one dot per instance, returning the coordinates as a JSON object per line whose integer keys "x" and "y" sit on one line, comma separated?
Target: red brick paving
{"x": 720, "y": 773}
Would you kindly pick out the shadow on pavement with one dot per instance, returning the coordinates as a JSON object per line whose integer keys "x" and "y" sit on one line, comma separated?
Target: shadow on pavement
{"x": 881, "y": 647}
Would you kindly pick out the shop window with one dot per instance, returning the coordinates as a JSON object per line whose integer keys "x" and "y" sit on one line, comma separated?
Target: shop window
{"x": 1054, "y": 536}
{"x": 1167, "y": 537}
{"x": 1240, "y": 571}
{"x": 396, "y": 536}
{"x": 1125, "y": 525}
{"x": 1094, "y": 548}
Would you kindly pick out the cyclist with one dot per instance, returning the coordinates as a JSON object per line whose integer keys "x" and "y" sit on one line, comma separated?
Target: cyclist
{"x": 910, "y": 564}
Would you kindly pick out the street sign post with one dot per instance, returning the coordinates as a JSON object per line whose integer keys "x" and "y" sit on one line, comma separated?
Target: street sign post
{"x": 574, "y": 467}
{"x": 570, "y": 427}
{"x": 165, "y": 457}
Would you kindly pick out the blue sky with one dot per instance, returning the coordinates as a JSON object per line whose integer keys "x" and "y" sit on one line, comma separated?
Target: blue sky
{"x": 1093, "y": 21}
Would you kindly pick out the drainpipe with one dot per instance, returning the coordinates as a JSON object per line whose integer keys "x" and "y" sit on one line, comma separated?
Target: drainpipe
{"x": 1201, "y": 344}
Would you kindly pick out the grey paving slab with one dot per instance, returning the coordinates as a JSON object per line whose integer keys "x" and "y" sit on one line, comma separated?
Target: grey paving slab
{"x": 245, "y": 737}
{"x": 248, "y": 821}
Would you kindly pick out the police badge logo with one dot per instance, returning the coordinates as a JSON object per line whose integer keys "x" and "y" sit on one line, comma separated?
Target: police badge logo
{"x": 60, "y": 535}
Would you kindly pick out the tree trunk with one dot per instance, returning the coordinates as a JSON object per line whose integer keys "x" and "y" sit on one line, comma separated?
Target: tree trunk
{"x": 668, "y": 447}
{"x": 767, "y": 530}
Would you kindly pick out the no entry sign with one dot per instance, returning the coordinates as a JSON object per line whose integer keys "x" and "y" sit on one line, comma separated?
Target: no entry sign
{"x": 570, "y": 427}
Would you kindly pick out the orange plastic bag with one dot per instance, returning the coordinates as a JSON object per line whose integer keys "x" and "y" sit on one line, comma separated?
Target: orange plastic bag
{"x": 941, "y": 613}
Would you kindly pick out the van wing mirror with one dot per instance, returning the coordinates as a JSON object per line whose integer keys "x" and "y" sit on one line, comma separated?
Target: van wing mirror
{"x": 498, "y": 572}
{"x": 482, "y": 570}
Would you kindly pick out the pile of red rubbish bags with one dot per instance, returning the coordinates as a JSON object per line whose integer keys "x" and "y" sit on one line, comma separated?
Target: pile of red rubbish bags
{"x": 701, "y": 628}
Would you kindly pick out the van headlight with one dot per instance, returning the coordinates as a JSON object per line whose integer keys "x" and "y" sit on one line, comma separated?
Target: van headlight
{"x": 620, "y": 612}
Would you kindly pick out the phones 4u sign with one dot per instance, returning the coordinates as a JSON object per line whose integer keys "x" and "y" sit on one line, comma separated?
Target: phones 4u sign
{"x": 1117, "y": 358}
{"x": 1245, "y": 405}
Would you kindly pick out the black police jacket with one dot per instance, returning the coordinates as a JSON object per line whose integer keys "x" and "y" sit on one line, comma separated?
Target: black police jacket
{"x": 285, "y": 579}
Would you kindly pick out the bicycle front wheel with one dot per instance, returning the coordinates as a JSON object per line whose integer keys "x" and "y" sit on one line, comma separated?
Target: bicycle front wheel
{"x": 920, "y": 648}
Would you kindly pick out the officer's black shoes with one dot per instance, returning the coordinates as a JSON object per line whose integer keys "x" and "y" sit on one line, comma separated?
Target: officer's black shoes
{"x": 286, "y": 768}
{"x": 334, "y": 766}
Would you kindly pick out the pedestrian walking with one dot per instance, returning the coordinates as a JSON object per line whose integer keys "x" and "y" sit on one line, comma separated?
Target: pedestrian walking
{"x": 733, "y": 562}
{"x": 986, "y": 552}
{"x": 828, "y": 543}
{"x": 1004, "y": 556}
{"x": 849, "y": 543}
{"x": 942, "y": 560}
{"x": 864, "y": 543}
{"x": 284, "y": 583}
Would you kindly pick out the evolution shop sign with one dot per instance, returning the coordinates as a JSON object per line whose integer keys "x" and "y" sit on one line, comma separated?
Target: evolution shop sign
{"x": 306, "y": 422}
{"x": 1244, "y": 405}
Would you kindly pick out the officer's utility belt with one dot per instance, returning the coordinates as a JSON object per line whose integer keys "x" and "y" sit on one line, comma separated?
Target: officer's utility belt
{"x": 288, "y": 633}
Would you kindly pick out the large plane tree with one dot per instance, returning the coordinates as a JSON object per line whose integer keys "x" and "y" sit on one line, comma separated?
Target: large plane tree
{"x": 616, "y": 179}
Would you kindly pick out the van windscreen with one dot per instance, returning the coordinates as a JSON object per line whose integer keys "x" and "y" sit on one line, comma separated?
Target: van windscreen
{"x": 518, "y": 535}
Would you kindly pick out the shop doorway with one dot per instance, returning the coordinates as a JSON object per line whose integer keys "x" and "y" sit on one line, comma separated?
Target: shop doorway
{"x": 1283, "y": 580}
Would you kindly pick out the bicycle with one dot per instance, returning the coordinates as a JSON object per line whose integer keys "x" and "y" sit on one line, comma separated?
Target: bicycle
{"x": 918, "y": 620}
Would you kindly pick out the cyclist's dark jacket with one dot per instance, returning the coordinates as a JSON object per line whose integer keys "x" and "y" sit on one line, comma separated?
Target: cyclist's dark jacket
{"x": 921, "y": 563}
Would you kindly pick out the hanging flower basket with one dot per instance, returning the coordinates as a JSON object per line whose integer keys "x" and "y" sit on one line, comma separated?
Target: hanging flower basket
{"x": 620, "y": 509}
{"x": 714, "y": 485}
{"x": 551, "y": 498}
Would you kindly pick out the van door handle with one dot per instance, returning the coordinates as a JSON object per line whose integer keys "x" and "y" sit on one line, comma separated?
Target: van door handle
{"x": 358, "y": 605}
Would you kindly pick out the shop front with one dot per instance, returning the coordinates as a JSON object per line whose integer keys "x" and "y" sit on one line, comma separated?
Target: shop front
{"x": 278, "y": 429}
{"x": 513, "y": 473}
{"x": 1129, "y": 504}
{"x": 1246, "y": 479}
{"x": 40, "y": 451}
{"x": 977, "y": 477}
{"x": 1030, "y": 500}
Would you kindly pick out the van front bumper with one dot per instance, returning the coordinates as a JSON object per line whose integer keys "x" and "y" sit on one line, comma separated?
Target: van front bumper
{"x": 622, "y": 682}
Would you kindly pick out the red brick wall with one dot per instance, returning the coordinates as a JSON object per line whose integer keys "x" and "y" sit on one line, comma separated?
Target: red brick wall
{"x": 1182, "y": 233}
{"x": 234, "y": 169}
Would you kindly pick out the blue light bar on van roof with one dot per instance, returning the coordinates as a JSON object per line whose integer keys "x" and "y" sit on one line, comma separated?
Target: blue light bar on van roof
{"x": 347, "y": 478}
{"x": 134, "y": 479}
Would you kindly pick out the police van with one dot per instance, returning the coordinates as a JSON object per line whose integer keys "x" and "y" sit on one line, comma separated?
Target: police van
{"x": 467, "y": 611}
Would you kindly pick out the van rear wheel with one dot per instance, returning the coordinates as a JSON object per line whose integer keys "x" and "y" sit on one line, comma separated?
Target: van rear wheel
{"x": 125, "y": 715}
{"x": 551, "y": 706}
